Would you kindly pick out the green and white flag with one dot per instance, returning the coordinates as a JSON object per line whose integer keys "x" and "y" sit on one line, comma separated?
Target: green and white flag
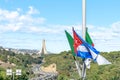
{"x": 88, "y": 39}
{"x": 71, "y": 42}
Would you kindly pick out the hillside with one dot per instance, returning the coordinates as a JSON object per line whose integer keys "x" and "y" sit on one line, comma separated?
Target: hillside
{"x": 9, "y": 59}
{"x": 67, "y": 69}
{"x": 65, "y": 65}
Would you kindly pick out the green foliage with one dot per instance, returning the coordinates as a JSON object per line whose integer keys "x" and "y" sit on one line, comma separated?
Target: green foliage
{"x": 62, "y": 77}
{"x": 65, "y": 66}
{"x": 3, "y": 75}
{"x": 22, "y": 62}
{"x": 67, "y": 69}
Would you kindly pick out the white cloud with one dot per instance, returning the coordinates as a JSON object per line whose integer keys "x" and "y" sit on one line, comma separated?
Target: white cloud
{"x": 32, "y": 10}
{"x": 8, "y": 15}
{"x": 106, "y": 32}
{"x": 106, "y": 38}
{"x": 115, "y": 27}
{"x": 27, "y": 22}
{"x": 18, "y": 21}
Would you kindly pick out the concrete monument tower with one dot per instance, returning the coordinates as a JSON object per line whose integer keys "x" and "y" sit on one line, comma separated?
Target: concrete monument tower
{"x": 43, "y": 50}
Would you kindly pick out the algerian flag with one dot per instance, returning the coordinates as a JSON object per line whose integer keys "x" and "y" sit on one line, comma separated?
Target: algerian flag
{"x": 88, "y": 39}
{"x": 71, "y": 42}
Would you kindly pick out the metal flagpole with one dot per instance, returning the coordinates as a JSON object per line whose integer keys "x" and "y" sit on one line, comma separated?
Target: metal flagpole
{"x": 83, "y": 18}
{"x": 78, "y": 67}
{"x": 83, "y": 34}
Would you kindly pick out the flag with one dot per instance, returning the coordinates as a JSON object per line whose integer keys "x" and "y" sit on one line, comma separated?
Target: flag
{"x": 88, "y": 39}
{"x": 100, "y": 59}
{"x": 83, "y": 49}
{"x": 71, "y": 42}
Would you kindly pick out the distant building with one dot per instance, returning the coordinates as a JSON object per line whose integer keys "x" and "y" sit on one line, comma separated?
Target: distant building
{"x": 1, "y": 48}
{"x": 7, "y": 49}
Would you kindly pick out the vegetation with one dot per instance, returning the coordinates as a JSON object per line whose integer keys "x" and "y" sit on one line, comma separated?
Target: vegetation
{"x": 67, "y": 69}
{"x": 21, "y": 61}
{"x": 65, "y": 66}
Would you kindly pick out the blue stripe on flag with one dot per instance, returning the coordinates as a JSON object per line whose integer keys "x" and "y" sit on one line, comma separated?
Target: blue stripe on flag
{"x": 89, "y": 48}
{"x": 84, "y": 54}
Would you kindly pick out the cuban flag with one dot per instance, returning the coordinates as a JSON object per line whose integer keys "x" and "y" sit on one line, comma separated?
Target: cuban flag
{"x": 83, "y": 49}
{"x": 86, "y": 51}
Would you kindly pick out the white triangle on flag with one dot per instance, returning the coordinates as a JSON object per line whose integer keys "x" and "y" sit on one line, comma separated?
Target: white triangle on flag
{"x": 101, "y": 60}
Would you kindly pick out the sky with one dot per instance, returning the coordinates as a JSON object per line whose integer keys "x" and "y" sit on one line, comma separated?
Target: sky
{"x": 25, "y": 23}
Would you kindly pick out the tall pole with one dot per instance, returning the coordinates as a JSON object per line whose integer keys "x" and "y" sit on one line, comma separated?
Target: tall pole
{"x": 78, "y": 68}
{"x": 13, "y": 75}
{"x": 83, "y": 18}
{"x": 83, "y": 33}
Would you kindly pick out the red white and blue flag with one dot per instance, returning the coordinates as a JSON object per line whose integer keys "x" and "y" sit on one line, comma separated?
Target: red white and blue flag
{"x": 83, "y": 49}
{"x": 86, "y": 51}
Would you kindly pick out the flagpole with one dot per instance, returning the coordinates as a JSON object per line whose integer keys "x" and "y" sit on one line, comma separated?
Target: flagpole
{"x": 83, "y": 18}
{"x": 77, "y": 66}
{"x": 83, "y": 34}
{"x": 70, "y": 40}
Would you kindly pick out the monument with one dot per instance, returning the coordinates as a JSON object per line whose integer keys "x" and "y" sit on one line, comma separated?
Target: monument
{"x": 43, "y": 50}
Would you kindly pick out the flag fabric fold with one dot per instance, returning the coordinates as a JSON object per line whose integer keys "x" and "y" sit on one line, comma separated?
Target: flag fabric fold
{"x": 88, "y": 38}
{"x": 85, "y": 50}
{"x": 102, "y": 61}
{"x": 71, "y": 42}
{"x": 82, "y": 48}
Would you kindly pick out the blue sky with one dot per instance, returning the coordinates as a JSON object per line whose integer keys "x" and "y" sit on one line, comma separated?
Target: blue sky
{"x": 24, "y": 24}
